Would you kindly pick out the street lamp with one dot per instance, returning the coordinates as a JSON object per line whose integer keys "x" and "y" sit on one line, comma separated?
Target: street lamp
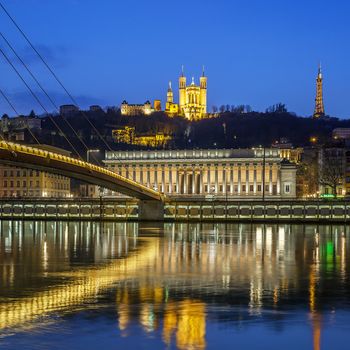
{"x": 90, "y": 151}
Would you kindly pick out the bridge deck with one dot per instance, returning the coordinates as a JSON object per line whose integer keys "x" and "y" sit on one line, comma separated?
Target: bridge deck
{"x": 39, "y": 159}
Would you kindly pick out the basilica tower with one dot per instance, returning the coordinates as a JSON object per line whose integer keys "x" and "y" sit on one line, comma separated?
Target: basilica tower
{"x": 182, "y": 91}
{"x": 319, "y": 107}
{"x": 203, "y": 92}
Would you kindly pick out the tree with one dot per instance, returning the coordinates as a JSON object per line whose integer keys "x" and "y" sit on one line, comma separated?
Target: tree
{"x": 214, "y": 109}
{"x": 277, "y": 108}
{"x": 332, "y": 168}
{"x": 222, "y": 108}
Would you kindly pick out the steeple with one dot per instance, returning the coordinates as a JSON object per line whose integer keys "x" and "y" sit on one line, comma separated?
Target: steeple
{"x": 319, "y": 107}
{"x": 182, "y": 71}
{"x": 170, "y": 95}
{"x": 203, "y": 75}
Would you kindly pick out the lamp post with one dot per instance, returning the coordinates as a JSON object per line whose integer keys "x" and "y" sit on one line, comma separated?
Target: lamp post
{"x": 90, "y": 151}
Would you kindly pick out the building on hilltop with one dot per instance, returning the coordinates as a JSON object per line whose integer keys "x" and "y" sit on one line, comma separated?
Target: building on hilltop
{"x": 319, "y": 106}
{"x": 193, "y": 98}
{"x": 171, "y": 108}
{"x": 136, "y": 109}
{"x": 68, "y": 110}
{"x": 128, "y": 136}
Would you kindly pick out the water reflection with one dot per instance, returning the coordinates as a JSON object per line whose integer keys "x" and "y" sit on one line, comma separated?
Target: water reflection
{"x": 175, "y": 280}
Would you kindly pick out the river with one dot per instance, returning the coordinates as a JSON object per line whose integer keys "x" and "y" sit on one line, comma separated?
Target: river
{"x": 104, "y": 285}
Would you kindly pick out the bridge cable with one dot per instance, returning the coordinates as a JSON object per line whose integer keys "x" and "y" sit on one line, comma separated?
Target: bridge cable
{"x": 39, "y": 102}
{"x": 45, "y": 92}
{"x": 14, "y": 109}
{"x": 54, "y": 75}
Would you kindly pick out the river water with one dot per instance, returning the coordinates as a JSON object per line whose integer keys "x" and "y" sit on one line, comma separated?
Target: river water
{"x": 89, "y": 285}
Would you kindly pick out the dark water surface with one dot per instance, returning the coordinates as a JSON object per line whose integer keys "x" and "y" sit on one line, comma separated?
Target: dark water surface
{"x": 70, "y": 285}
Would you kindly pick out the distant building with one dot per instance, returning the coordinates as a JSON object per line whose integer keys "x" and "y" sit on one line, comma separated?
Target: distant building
{"x": 156, "y": 140}
{"x": 21, "y": 182}
{"x": 124, "y": 135}
{"x": 233, "y": 173}
{"x": 319, "y": 106}
{"x": 68, "y": 110}
{"x": 19, "y": 123}
{"x": 334, "y": 170}
{"x": 341, "y": 133}
{"x": 17, "y": 182}
{"x": 157, "y": 106}
{"x": 171, "y": 108}
{"x": 89, "y": 191}
{"x": 287, "y": 151}
{"x": 127, "y": 135}
{"x": 136, "y": 109}
{"x": 193, "y": 98}
{"x": 96, "y": 108}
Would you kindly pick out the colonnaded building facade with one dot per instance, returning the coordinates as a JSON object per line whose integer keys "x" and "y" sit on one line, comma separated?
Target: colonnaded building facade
{"x": 234, "y": 173}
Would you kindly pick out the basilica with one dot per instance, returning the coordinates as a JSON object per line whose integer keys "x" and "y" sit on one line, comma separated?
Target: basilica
{"x": 192, "y": 99}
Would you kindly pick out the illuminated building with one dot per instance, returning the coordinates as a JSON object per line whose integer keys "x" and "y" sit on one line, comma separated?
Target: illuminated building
{"x": 157, "y": 105}
{"x": 124, "y": 135}
{"x": 171, "y": 108}
{"x": 193, "y": 98}
{"x": 319, "y": 107}
{"x": 225, "y": 172}
{"x": 127, "y": 135}
{"x": 17, "y": 182}
{"x": 136, "y": 109}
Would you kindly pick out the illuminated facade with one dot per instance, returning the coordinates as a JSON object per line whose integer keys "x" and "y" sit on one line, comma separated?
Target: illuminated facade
{"x": 193, "y": 98}
{"x": 208, "y": 173}
{"x": 171, "y": 108}
{"x": 127, "y": 135}
{"x": 319, "y": 107}
{"x": 17, "y": 182}
{"x": 136, "y": 109}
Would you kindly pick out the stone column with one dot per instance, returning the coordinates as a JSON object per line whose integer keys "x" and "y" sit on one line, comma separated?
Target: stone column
{"x": 239, "y": 179}
{"x": 148, "y": 175}
{"x": 216, "y": 180}
{"x": 231, "y": 179}
{"x": 170, "y": 169}
{"x": 177, "y": 180}
{"x": 185, "y": 180}
{"x": 255, "y": 176}
{"x": 193, "y": 181}
{"x": 224, "y": 180}
{"x": 208, "y": 179}
{"x": 201, "y": 181}
{"x": 163, "y": 177}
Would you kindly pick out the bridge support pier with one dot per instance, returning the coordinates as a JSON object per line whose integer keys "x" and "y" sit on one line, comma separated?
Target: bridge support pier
{"x": 151, "y": 210}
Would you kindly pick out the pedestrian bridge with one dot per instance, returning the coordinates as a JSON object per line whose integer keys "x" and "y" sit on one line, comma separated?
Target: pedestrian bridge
{"x": 39, "y": 159}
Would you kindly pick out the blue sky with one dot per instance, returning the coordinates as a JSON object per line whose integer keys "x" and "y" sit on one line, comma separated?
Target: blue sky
{"x": 256, "y": 52}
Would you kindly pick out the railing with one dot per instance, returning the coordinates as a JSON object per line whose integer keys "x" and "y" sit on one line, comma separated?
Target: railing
{"x": 13, "y": 147}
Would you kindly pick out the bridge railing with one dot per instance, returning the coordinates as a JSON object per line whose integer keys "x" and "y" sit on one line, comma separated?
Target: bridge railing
{"x": 13, "y": 147}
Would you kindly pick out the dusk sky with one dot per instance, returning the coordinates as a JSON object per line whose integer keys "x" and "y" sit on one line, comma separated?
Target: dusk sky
{"x": 255, "y": 52}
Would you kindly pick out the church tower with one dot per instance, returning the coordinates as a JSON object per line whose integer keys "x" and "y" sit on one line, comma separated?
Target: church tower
{"x": 170, "y": 94}
{"x": 182, "y": 91}
{"x": 319, "y": 107}
{"x": 203, "y": 92}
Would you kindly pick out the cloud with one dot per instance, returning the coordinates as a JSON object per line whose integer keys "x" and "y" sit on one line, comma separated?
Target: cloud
{"x": 24, "y": 102}
{"x": 55, "y": 56}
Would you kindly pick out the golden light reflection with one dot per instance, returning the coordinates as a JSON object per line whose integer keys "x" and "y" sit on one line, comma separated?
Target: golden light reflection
{"x": 85, "y": 284}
